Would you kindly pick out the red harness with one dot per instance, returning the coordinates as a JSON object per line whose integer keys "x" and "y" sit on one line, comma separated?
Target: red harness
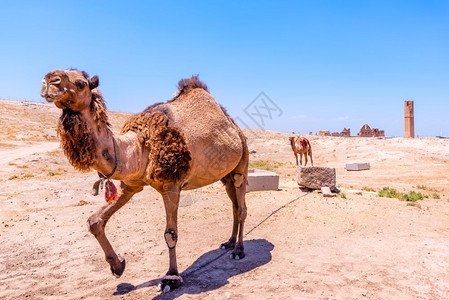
{"x": 304, "y": 142}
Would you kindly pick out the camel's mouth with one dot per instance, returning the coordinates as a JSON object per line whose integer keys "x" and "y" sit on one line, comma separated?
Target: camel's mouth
{"x": 57, "y": 99}
{"x": 51, "y": 97}
{"x": 61, "y": 105}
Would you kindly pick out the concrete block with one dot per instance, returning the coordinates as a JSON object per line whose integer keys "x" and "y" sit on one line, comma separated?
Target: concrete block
{"x": 262, "y": 180}
{"x": 357, "y": 166}
{"x": 316, "y": 177}
{"x": 326, "y": 191}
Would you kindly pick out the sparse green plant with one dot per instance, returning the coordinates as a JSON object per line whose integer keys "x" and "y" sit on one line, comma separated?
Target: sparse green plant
{"x": 390, "y": 193}
{"x": 28, "y": 175}
{"x": 435, "y": 196}
{"x": 413, "y": 196}
{"x": 265, "y": 165}
{"x": 422, "y": 187}
{"x": 53, "y": 173}
{"x": 414, "y": 204}
{"x": 342, "y": 195}
{"x": 13, "y": 177}
{"x": 367, "y": 189}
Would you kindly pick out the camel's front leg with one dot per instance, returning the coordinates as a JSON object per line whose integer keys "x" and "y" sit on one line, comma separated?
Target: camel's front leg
{"x": 305, "y": 156}
{"x": 300, "y": 158}
{"x": 170, "y": 195}
{"x": 296, "y": 156}
{"x": 97, "y": 223}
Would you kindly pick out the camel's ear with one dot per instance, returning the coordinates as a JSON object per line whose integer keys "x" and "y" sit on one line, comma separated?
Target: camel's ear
{"x": 93, "y": 82}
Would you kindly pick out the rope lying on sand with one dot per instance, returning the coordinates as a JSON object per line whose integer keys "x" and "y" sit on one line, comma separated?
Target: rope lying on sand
{"x": 251, "y": 230}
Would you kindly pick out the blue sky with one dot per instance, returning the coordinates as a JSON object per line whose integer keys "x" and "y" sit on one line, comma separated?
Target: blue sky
{"x": 324, "y": 64}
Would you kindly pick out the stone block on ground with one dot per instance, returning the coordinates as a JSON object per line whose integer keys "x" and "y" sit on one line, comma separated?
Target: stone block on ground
{"x": 326, "y": 191}
{"x": 262, "y": 180}
{"x": 316, "y": 177}
{"x": 357, "y": 166}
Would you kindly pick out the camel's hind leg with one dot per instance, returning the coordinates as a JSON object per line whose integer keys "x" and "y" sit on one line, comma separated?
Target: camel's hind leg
{"x": 296, "y": 156}
{"x": 300, "y": 158}
{"x": 231, "y": 191}
{"x": 97, "y": 223}
{"x": 310, "y": 154}
{"x": 235, "y": 183}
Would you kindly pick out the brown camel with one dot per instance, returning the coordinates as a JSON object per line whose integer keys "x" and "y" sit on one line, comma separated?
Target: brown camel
{"x": 185, "y": 143}
{"x": 301, "y": 145}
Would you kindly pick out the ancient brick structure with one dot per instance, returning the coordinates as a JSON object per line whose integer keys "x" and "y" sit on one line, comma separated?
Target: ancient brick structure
{"x": 367, "y": 131}
{"x": 324, "y": 133}
{"x": 346, "y": 132}
{"x": 409, "y": 119}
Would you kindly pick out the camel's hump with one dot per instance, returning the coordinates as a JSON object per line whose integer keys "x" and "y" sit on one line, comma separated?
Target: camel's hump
{"x": 187, "y": 84}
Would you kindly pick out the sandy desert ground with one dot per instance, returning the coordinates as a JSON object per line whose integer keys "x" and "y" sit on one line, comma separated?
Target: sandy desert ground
{"x": 354, "y": 246}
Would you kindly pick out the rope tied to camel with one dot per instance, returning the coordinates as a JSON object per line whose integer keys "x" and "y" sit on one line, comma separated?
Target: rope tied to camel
{"x": 247, "y": 233}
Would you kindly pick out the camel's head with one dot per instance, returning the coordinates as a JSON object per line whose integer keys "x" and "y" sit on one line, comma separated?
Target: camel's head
{"x": 69, "y": 89}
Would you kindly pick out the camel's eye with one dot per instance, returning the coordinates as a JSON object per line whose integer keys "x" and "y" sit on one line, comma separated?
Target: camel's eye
{"x": 43, "y": 81}
{"x": 80, "y": 84}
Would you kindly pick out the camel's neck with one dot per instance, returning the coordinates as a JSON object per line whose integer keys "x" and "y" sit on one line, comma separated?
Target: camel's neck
{"x": 83, "y": 138}
{"x": 88, "y": 143}
{"x": 292, "y": 143}
{"x": 104, "y": 146}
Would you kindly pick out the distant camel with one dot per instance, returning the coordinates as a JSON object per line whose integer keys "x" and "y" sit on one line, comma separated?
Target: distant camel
{"x": 301, "y": 145}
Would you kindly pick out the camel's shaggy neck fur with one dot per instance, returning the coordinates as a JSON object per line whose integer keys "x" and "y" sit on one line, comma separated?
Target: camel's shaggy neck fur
{"x": 77, "y": 137}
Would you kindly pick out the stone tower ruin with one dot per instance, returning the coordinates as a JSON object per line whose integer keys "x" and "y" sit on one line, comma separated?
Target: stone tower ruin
{"x": 409, "y": 119}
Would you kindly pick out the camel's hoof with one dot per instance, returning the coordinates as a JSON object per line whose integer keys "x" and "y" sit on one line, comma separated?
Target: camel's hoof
{"x": 166, "y": 288}
{"x": 117, "y": 272}
{"x": 237, "y": 254}
{"x": 169, "y": 283}
{"x": 227, "y": 245}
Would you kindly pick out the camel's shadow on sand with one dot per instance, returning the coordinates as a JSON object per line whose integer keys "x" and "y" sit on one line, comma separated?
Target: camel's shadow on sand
{"x": 214, "y": 275}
